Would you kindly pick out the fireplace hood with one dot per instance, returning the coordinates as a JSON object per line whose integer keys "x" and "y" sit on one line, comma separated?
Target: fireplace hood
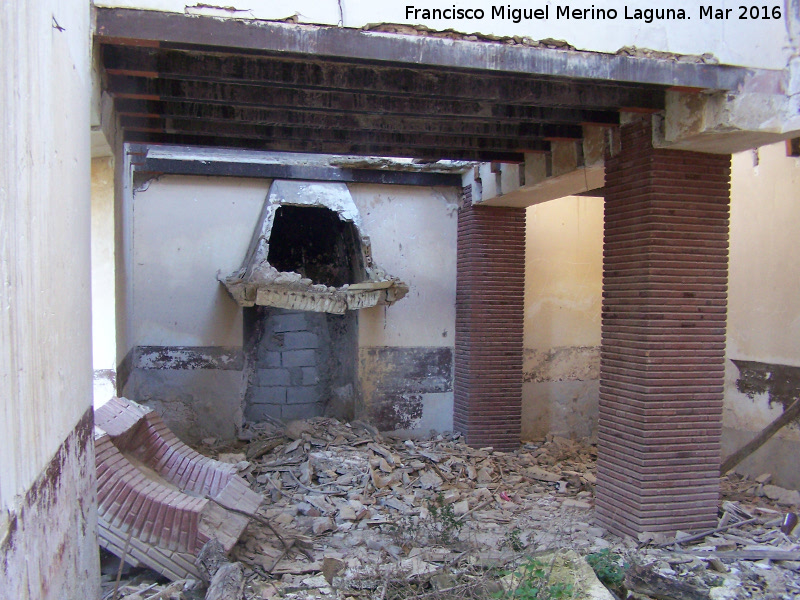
{"x": 308, "y": 252}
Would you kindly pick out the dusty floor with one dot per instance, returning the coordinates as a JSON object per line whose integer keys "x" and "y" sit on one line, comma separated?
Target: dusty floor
{"x": 356, "y": 514}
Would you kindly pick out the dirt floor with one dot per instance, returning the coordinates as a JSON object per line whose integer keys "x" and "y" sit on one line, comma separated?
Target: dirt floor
{"x": 350, "y": 513}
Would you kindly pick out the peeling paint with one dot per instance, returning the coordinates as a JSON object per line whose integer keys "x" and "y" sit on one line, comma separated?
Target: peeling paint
{"x": 781, "y": 383}
{"x": 394, "y": 381}
{"x": 50, "y": 517}
{"x": 189, "y": 357}
{"x": 578, "y": 363}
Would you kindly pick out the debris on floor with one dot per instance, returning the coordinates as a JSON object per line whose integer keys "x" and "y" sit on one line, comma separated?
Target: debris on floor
{"x": 349, "y": 513}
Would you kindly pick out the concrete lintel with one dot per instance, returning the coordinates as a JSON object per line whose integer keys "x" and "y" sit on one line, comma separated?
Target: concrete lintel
{"x": 760, "y": 114}
{"x": 582, "y": 179}
{"x": 175, "y": 160}
{"x": 358, "y": 45}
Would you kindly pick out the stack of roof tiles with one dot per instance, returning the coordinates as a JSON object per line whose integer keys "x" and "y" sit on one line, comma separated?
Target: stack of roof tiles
{"x": 159, "y": 501}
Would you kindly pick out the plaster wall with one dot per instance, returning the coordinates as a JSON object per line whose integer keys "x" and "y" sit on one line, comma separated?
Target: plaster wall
{"x": 185, "y": 334}
{"x": 405, "y": 367}
{"x": 47, "y": 503}
{"x": 563, "y": 283}
{"x": 103, "y": 300}
{"x": 185, "y": 348}
{"x": 763, "y": 366}
{"x": 186, "y": 230}
{"x": 768, "y": 43}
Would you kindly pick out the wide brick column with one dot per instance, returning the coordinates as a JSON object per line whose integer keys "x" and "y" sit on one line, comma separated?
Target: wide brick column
{"x": 665, "y": 273}
{"x": 489, "y": 313}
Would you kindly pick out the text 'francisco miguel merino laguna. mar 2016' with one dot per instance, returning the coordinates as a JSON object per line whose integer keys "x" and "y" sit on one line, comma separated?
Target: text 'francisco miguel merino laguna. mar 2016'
{"x": 567, "y": 12}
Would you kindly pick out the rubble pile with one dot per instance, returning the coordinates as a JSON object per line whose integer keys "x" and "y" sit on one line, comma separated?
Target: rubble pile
{"x": 350, "y": 513}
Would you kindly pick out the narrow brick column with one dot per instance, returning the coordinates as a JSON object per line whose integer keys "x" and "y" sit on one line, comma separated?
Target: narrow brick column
{"x": 665, "y": 274}
{"x": 489, "y": 312}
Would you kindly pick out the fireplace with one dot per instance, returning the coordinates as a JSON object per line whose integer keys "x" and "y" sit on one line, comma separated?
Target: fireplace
{"x": 307, "y": 271}
{"x": 308, "y": 253}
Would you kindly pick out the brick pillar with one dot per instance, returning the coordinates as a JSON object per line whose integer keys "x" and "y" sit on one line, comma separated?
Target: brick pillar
{"x": 489, "y": 311}
{"x": 665, "y": 275}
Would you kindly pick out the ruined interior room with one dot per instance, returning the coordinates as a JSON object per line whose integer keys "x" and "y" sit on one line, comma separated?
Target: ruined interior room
{"x": 510, "y": 281}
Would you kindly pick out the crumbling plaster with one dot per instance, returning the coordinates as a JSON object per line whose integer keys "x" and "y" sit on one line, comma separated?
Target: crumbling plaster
{"x": 186, "y": 230}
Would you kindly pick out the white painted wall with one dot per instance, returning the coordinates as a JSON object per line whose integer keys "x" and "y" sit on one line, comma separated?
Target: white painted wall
{"x": 45, "y": 323}
{"x": 45, "y": 306}
{"x": 413, "y": 235}
{"x": 767, "y": 41}
{"x": 103, "y": 300}
{"x": 185, "y": 231}
{"x": 413, "y": 231}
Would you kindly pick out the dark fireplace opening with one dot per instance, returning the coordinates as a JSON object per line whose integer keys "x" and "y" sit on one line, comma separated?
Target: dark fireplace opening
{"x": 316, "y": 243}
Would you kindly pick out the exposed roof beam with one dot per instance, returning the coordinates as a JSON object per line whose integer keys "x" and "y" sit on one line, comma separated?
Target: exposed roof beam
{"x": 375, "y": 123}
{"x": 380, "y": 81}
{"x": 357, "y": 103}
{"x": 269, "y": 134}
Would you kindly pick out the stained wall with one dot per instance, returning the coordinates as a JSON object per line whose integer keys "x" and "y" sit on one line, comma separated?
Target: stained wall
{"x": 405, "y": 354}
{"x": 763, "y": 354}
{"x": 563, "y": 283}
{"x": 47, "y": 499}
